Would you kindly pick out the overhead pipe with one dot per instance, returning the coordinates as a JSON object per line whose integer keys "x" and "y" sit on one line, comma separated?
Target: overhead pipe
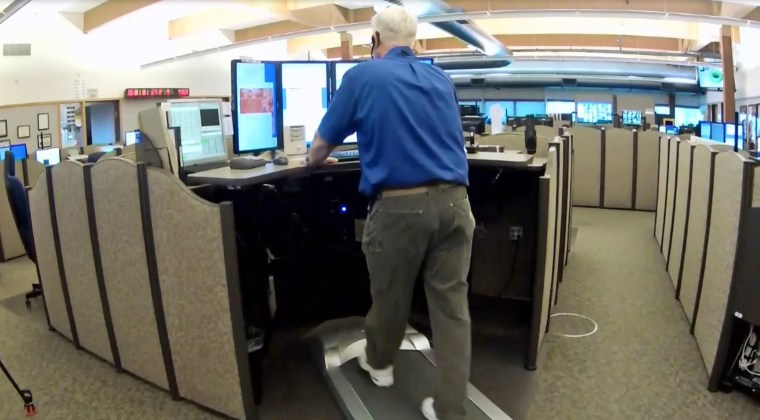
{"x": 11, "y": 9}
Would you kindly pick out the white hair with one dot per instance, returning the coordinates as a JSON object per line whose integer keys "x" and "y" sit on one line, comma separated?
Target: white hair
{"x": 396, "y": 26}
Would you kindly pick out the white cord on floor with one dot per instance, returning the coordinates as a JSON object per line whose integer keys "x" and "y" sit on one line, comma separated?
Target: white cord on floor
{"x": 596, "y": 327}
{"x": 745, "y": 362}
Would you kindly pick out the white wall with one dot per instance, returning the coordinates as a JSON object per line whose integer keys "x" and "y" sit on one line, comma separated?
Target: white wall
{"x": 105, "y": 59}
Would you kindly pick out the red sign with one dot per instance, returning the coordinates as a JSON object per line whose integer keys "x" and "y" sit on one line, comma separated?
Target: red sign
{"x": 156, "y": 93}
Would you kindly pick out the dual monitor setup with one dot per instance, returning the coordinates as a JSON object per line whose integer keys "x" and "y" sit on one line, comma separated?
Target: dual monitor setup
{"x": 50, "y": 156}
{"x": 269, "y": 96}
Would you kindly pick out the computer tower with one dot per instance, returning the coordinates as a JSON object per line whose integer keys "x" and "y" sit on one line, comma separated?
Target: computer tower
{"x": 294, "y": 139}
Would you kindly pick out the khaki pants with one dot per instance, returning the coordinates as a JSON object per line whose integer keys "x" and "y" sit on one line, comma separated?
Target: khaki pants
{"x": 429, "y": 231}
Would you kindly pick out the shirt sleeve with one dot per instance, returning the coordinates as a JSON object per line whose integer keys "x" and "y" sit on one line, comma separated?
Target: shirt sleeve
{"x": 339, "y": 120}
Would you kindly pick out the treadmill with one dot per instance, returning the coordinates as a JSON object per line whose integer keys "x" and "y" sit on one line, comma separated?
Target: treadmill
{"x": 338, "y": 345}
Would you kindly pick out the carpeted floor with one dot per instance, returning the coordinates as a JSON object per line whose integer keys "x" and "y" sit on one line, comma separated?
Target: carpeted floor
{"x": 641, "y": 364}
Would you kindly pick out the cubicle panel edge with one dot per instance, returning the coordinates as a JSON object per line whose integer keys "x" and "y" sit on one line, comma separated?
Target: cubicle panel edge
{"x": 116, "y": 204}
{"x": 721, "y": 254}
{"x": 662, "y": 182}
{"x": 670, "y": 193}
{"x": 537, "y": 330}
{"x": 47, "y": 258}
{"x": 680, "y": 213}
{"x": 618, "y": 168}
{"x": 586, "y": 167}
{"x": 699, "y": 203}
{"x": 647, "y": 162}
{"x": 77, "y": 257}
{"x": 199, "y": 318}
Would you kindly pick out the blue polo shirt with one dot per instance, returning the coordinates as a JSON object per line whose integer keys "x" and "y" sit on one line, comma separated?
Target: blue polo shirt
{"x": 406, "y": 117}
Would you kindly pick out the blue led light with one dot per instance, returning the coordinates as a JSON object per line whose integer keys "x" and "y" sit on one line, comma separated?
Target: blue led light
{"x": 343, "y": 209}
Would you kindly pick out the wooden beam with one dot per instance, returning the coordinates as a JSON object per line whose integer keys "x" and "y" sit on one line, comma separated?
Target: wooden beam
{"x": 699, "y": 7}
{"x": 269, "y": 30}
{"x": 218, "y": 18}
{"x": 111, "y": 10}
{"x": 346, "y": 46}
{"x": 320, "y": 16}
{"x": 729, "y": 80}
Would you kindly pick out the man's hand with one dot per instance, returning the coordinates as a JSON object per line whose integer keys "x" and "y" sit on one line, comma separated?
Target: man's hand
{"x": 319, "y": 152}
{"x": 329, "y": 161}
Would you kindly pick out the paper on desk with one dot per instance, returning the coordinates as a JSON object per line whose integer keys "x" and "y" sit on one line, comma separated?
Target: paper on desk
{"x": 227, "y": 128}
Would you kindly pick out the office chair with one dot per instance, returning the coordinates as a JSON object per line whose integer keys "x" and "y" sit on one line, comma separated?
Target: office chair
{"x": 20, "y": 209}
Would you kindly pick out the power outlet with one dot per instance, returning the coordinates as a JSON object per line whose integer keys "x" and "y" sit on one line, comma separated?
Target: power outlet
{"x": 515, "y": 233}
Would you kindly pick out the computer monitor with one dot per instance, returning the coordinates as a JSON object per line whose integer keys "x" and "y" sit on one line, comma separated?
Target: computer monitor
{"x": 131, "y": 137}
{"x": 718, "y": 132}
{"x": 631, "y": 117}
{"x": 662, "y": 129}
{"x": 731, "y": 134}
{"x": 48, "y": 157}
{"x": 256, "y": 111}
{"x": 426, "y": 60}
{"x": 671, "y": 129}
{"x": 305, "y": 91}
{"x": 200, "y": 124}
{"x": 340, "y": 68}
{"x": 468, "y": 110}
{"x": 474, "y": 124}
{"x": 704, "y": 130}
{"x": 18, "y": 150}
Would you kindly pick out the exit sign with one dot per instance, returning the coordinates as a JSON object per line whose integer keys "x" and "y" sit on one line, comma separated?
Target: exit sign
{"x": 156, "y": 93}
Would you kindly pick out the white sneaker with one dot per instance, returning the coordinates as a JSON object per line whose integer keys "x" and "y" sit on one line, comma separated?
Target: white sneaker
{"x": 428, "y": 410}
{"x": 381, "y": 377}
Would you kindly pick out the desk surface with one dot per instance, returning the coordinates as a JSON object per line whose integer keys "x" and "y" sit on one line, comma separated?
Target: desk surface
{"x": 240, "y": 178}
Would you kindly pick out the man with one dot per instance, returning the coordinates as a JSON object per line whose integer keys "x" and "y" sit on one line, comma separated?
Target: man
{"x": 414, "y": 168}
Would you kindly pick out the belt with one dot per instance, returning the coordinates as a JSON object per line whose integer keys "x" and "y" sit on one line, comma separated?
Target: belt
{"x": 399, "y": 192}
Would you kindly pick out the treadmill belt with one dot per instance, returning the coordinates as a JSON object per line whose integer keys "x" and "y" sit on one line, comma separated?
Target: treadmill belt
{"x": 414, "y": 381}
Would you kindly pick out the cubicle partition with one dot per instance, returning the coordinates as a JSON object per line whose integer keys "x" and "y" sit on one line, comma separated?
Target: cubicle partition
{"x": 587, "y": 171}
{"x": 121, "y": 244}
{"x": 698, "y": 219}
{"x": 76, "y": 253}
{"x": 618, "y": 169}
{"x": 670, "y": 194}
{"x": 680, "y": 213}
{"x": 662, "y": 188}
{"x": 46, "y": 246}
{"x": 729, "y": 195}
{"x": 545, "y": 273}
{"x": 645, "y": 156}
{"x": 141, "y": 272}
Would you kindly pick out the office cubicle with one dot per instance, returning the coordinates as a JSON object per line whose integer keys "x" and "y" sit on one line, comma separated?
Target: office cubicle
{"x": 680, "y": 212}
{"x": 116, "y": 280}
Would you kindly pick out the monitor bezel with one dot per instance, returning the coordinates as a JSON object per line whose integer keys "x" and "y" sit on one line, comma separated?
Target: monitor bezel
{"x": 277, "y": 112}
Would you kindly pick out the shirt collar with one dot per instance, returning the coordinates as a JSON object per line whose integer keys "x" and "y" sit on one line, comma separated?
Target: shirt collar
{"x": 400, "y": 52}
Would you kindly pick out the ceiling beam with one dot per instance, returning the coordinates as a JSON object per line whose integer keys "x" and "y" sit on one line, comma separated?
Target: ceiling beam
{"x": 578, "y": 41}
{"x": 111, "y": 10}
{"x": 269, "y": 30}
{"x": 218, "y": 18}
{"x": 700, "y": 7}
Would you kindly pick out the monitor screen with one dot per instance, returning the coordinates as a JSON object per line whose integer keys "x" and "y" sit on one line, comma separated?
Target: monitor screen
{"x": 710, "y": 78}
{"x": 49, "y": 157}
{"x": 426, "y": 60}
{"x": 18, "y": 150}
{"x": 704, "y": 130}
{"x": 132, "y": 137}
{"x": 662, "y": 129}
{"x": 255, "y": 117}
{"x": 632, "y": 117}
{"x": 671, "y": 129}
{"x": 594, "y": 112}
{"x": 340, "y": 69}
{"x": 200, "y": 130}
{"x": 304, "y": 95}
{"x": 730, "y": 134}
{"x": 718, "y": 132}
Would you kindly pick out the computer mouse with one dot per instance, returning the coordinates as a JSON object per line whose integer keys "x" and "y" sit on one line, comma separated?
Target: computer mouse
{"x": 280, "y": 160}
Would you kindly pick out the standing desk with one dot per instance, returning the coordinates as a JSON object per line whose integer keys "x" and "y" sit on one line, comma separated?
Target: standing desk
{"x": 503, "y": 190}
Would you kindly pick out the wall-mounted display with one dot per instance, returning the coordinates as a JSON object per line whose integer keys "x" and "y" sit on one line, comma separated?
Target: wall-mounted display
{"x": 156, "y": 93}
{"x": 23, "y": 131}
{"x": 3, "y": 128}
{"x": 43, "y": 122}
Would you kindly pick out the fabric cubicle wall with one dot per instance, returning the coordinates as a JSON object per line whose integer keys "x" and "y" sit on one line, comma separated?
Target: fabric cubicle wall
{"x": 618, "y": 168}
{"x": 723, "y": 230}
{"x": 680, "y": 213}
{"x": 116, "y": 205}
{"x": 545, "y": 261}
{"x": 703, "y": 164}
{"x": 77, "y": 256}
{"x": 46, "y": 244}
{"x": 662, "y": 188}
{"x": 646, "y": 170}
{"x": 586, "y": 171}
{"x": 205, "y": 253}
{"x": 670, "y": 193}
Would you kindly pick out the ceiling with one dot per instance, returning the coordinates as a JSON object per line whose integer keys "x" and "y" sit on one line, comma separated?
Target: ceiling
{"x": 681, "y": 31}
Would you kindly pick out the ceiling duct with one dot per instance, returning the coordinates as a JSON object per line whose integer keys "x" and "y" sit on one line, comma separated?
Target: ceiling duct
{"x": 12, "y": 8}
{"x": 466, "y": 30}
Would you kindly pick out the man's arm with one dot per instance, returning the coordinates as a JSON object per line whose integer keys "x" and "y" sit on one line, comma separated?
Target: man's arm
{"x": 319, "y": 150}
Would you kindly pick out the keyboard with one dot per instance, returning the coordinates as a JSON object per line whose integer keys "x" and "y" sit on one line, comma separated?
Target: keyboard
{"x": 345, "y": 155}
